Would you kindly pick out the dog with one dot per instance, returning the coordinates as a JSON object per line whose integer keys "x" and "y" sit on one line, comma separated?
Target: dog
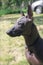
{"x": 26, "y": 27}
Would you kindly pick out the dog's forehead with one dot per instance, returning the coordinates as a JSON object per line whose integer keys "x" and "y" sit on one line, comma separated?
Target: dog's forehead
{"x": 22, "y": 19}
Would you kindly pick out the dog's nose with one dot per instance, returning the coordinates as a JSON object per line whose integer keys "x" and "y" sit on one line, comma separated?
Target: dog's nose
{"x": 8, "y": 33}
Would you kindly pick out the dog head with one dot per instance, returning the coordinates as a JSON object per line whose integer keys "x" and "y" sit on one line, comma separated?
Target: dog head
{"x": 23, "y": 24}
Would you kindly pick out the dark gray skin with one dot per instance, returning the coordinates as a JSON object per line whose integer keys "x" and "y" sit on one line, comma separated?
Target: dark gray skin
{"x": 21, "y": 27}
{"x": 25, "y": 26}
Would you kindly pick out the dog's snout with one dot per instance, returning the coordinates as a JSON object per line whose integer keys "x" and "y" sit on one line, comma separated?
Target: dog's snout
{"x": 8, "y": 32}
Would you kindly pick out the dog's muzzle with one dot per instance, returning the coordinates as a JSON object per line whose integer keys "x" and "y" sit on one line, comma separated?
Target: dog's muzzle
{"x": 14, "y": 33}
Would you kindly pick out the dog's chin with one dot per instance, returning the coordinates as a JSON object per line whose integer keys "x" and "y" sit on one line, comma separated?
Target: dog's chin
{"x": 11, "y": 35}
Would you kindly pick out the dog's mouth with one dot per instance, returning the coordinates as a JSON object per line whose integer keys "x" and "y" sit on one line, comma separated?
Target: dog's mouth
{"x": 14, "y": 33}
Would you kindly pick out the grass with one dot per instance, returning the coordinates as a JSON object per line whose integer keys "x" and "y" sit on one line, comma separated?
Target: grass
{"x": 12, "y": 50}
{"x": 10, "y": 11}
{"x": 38, "y": 19}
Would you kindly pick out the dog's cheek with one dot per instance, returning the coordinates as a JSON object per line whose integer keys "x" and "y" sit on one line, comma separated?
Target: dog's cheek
{"x": 19, "y": 32}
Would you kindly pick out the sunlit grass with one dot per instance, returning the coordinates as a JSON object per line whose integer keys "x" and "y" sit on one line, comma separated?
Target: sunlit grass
{"x": 11, "y": 49}
{"x": 39, "y": 15}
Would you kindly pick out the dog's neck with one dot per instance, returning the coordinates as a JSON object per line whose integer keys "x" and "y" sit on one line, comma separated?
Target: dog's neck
{"x": 30, "y": 39}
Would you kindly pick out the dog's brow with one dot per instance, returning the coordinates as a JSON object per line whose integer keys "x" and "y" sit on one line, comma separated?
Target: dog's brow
{"x": 21, "y": 18}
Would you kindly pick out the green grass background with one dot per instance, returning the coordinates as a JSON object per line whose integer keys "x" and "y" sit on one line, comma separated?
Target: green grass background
{"x": 12, "y": 50}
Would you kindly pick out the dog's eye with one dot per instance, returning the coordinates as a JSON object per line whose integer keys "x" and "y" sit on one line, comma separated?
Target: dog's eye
{"x": 22, "y": 26}
{"x": 20, "y": 23}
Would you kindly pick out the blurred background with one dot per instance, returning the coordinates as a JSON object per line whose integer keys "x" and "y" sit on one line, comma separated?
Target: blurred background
{"x": 13, "y": 6}
{"x": 12, "y": 50}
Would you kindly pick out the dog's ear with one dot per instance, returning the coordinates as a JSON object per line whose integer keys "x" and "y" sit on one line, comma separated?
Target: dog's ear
{"x": 22, "y": 13}
{"x": 29, "y": 12}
